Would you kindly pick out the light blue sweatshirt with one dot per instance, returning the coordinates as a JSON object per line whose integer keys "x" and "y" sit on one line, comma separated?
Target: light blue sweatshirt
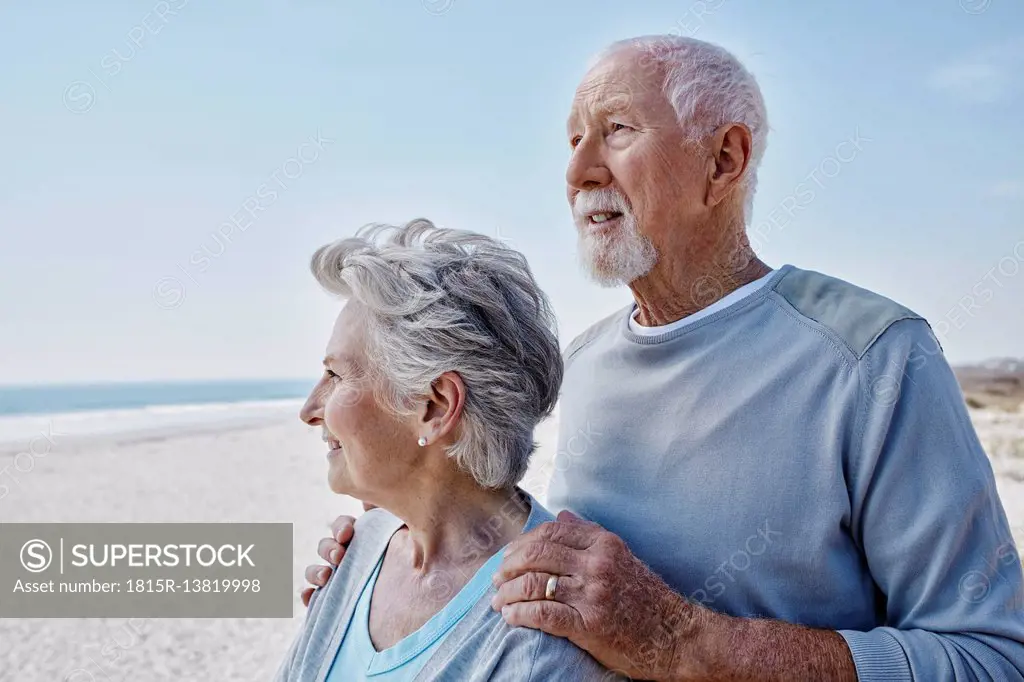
{"x": 803, "y": 454}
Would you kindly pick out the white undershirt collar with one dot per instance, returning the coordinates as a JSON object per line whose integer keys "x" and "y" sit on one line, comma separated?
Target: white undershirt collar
{"x": 724, "y": 302}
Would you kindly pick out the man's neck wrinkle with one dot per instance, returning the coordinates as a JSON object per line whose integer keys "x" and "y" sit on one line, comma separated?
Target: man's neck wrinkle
{"x": 663, "y": 299}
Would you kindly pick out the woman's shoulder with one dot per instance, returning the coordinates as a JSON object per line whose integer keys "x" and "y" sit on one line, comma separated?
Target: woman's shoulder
{"x": 373, "y": 531}
{"x": 374, "y": 525}
{"x": 485, "y": 647}
{"x": 557, "y": 658}
{"x": 370, "y": 539}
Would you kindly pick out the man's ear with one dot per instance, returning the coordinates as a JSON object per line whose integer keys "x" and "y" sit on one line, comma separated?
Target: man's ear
{"x": 730, "y": 155}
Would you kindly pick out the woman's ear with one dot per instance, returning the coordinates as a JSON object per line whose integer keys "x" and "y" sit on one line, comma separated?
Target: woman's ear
{"x": 443, "y": 407}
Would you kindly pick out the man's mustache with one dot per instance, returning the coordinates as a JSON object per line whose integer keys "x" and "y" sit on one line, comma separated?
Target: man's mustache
{"x": 599, "y": 200}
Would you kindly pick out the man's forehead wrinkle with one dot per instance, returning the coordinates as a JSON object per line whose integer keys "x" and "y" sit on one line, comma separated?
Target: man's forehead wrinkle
{"x": 589, "y": 92}
{"x": 614, "y": 80}
{"x": 604, "y": 95}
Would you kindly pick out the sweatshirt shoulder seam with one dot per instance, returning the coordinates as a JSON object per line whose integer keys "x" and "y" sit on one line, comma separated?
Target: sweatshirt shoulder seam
{"x": 815, "y": 297}
{"x": 841, "y": 349}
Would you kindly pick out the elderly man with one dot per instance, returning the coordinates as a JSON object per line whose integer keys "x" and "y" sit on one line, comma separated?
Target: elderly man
{"x": 778, "y": 472}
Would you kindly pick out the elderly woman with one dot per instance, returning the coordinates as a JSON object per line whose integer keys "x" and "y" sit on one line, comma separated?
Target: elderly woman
{"x": 440, "y": 365}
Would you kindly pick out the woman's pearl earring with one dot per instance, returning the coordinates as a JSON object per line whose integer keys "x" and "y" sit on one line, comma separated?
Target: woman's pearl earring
{"x": 422, "y": 441}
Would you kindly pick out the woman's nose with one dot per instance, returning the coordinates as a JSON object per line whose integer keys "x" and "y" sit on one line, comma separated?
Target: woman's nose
{"x": 312, "y": 411}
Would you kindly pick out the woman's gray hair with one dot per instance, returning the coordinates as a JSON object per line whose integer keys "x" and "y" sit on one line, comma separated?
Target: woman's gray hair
{"x": 442, "y": 300}
{"x": 707, "y": 87}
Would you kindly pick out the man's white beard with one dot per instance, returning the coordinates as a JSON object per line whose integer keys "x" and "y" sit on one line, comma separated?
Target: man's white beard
{"x": 616, "y": 256}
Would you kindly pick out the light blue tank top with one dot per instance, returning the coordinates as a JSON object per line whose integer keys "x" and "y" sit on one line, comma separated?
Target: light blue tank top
{"x": 358, "y": 661}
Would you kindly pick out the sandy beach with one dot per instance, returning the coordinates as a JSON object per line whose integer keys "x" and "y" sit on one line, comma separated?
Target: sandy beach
{"x": 266, "y": 470}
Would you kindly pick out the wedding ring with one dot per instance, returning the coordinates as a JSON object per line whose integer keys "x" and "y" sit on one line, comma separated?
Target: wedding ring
{"x": 549, "y": 591}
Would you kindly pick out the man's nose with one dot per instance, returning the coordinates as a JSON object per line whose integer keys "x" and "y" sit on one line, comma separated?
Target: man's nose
{"x": 587, "y": 169}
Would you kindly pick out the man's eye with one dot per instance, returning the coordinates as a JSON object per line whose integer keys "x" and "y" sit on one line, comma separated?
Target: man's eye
{"x": 618, "y": 126}
{"x": 575, "y": 141}
{"x": 331, "y": 374}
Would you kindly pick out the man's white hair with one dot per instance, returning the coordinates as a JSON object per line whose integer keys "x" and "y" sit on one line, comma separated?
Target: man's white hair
{"x": 707, "y": 87}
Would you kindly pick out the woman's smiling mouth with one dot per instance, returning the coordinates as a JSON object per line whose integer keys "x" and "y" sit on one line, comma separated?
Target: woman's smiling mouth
{"x": 332, "y": 442}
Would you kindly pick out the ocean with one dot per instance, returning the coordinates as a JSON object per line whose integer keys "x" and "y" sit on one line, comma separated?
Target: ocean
{"x": 75, "y": 398}
{"x": 30, "y": 411}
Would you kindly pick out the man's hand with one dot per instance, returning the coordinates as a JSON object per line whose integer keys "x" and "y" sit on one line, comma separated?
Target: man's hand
{"x": 606, "y": 601}
{"x": 331, "y": 550}
{"x": 610, "y": 604}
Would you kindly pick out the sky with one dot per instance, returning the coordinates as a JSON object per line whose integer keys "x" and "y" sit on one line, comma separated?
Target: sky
{"x": 132, "y": 133}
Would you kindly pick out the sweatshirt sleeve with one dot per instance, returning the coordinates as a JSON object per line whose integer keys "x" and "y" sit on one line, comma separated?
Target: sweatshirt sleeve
{"x": 926, "y": 514}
